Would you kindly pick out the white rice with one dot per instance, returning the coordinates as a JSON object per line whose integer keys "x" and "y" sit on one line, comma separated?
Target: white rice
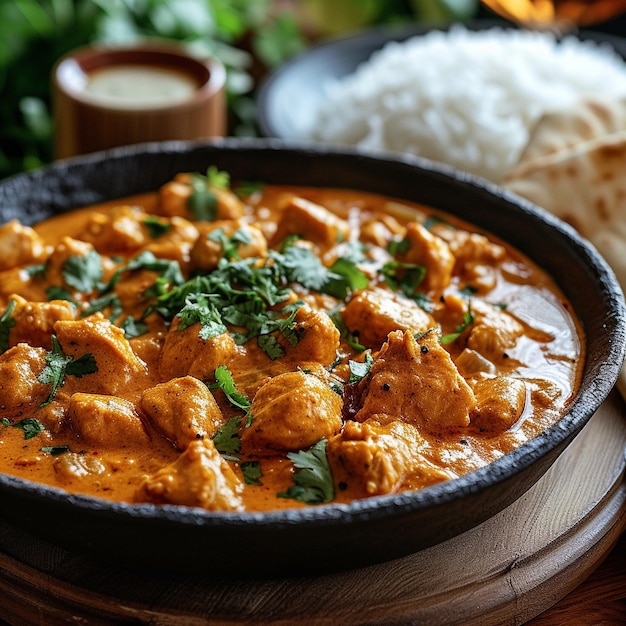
{"x": 466, "y": 98}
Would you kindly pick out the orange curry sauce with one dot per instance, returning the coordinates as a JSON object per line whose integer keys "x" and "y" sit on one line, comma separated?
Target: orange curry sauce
{"x": 276, "y": 348}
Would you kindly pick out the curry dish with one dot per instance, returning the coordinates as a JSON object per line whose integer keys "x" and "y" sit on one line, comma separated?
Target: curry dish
{"x": 247, "y": 347}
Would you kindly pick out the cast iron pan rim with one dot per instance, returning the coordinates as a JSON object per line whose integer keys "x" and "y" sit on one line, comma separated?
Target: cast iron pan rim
{"x": 381, "y": 506}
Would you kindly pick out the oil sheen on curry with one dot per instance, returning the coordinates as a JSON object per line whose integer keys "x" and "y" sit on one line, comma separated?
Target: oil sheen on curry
{"x": 242, "y": 347}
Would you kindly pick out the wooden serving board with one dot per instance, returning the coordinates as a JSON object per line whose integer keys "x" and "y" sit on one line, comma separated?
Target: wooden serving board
{"x": 506, "y": 571}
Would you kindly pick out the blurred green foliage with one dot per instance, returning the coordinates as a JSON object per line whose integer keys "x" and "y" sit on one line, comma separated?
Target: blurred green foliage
{"x": 249, "y": 36}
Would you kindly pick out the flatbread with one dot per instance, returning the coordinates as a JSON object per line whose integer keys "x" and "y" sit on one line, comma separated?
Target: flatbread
{"x": 584, "y": 185}
{"x": 565, "y": 128}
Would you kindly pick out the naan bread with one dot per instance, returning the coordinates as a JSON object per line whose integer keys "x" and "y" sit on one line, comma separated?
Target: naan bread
{"x": 565, "y": 128}
{"x": 584, "y": 185}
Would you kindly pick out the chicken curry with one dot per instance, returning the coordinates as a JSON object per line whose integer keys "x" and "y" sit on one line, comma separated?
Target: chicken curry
{"x": 249, "y": 347}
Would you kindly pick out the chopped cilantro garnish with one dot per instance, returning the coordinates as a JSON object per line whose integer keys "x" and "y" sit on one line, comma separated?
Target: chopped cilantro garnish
{"x": 31, "y": 427}
{"x": 360, "y": 369}
{"x": 109, "y": 300}
{"x": 156, "y": 226}
{"x": 198, "y": 308}
{"x": 217, "y": 178}
{"x": 251, "y": 472}
{"x": 468, "y": 319}
{"x": 351, "y": 339}
{"x": 344, "y": 277}
{"x": 468, "y": 290}
{"x": 404, "y": 277}
{"x": 59, "y": 293}
{"x": 83, "y": 273}
{"x": 224, "y": 381}
{"x": 301, "y": 265}
{"x": 133, "y": 328}
{"x": 399, "y": 246}
{"x": 230, "y": 245}
{"x": 36, "y": 271}
{"x": 59, "y": 364}
{"x": 202, "y": 202}
{"x": 226, "y": 439}
{"x": 313, "y": 478}
{"x": 55, "y": 450}
{"x": 6, "y": 323}
{"x": 247, "y": 188}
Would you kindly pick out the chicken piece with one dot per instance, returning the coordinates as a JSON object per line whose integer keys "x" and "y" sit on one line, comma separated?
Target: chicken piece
{"x": 119, "y": 368}
{"x": 415, "y": 382}
{"x": 380, "y": 230}
{"x": 199, "y": 477}
{"x": 501, "y": 403}
{"x": 371, "y": 314}
{"x": 469, "y": 247}
{"x": 20, "y": 367}
{"x": 173, "y": 199}
{"x": 185, "y": 353}
{"x": 121, "y": 230}
{"x": 431, "y": 252}
{"x": 66, "y": 249}
{"x": 493, "y": 332}
{"x": 20, "y": 245}
{"x": 318, "y": 341}
{"x": 292, "y": 411}
{"x": 73, "y": 466}
{"x": 373, "y": 459}
{"x": 33, "y": 322}
{"x": 207, "y": 251}
{"x": 105, "y": 421}
{"x": 312, "y": 222}
{"x": 183, "y": 410}
{"x": 176, "y": 244}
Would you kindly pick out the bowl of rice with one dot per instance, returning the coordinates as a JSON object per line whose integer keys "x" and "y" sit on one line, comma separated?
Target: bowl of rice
{"x": 465, "y": 95}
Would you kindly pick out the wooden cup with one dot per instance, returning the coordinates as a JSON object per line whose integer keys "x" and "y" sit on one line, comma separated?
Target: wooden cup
{"x": 111, "y": 96}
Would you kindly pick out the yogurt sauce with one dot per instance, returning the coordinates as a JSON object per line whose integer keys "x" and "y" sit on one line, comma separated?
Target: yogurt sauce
{"x": 139, "y": 86}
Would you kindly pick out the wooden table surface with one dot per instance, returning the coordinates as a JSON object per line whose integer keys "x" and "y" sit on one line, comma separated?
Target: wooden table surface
{"x": 601, "y": 599}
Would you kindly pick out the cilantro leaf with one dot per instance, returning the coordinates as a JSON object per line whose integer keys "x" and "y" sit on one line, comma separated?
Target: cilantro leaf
{"x": 59, "y": 364}
{"x": 59, "y": 293}
{"x": 133, "y": 328}
{"x": 156, "y": 226}
{"x": 202, "y": 203}
{"x": 303, "y": 266}
{"x": 198, "y": 309}
{"x": 468, "y": 319}
{"x": 359, "y": 370}
{"x": 86, "y": 364}
{"x": 217, "y": 178}
{"x": 109, "y": 300}
{"x": 313, "y": 478}
{"x": 6, "y": 323}
{"x": 31, "y": 427}
{"x": 83, "y": 273}
{"x": 399, "y": 246}
{"x": 404, "y": 277}
{"x": 230, "y": 245}
{"x": 55, "y": 450}
{"x": 251, "y": 472}
{"x": 224, "y": 381}
{"x": 227, "y": 440}
{"x": 344, "y": 277}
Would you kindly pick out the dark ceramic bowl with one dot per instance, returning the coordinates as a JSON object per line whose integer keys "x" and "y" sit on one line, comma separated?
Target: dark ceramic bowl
{"x": 328, "y": 537}
{"x": 289, "y": 97}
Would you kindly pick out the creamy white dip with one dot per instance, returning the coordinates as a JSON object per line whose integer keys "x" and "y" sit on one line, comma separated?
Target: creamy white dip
{"x": 139, "y": 86}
